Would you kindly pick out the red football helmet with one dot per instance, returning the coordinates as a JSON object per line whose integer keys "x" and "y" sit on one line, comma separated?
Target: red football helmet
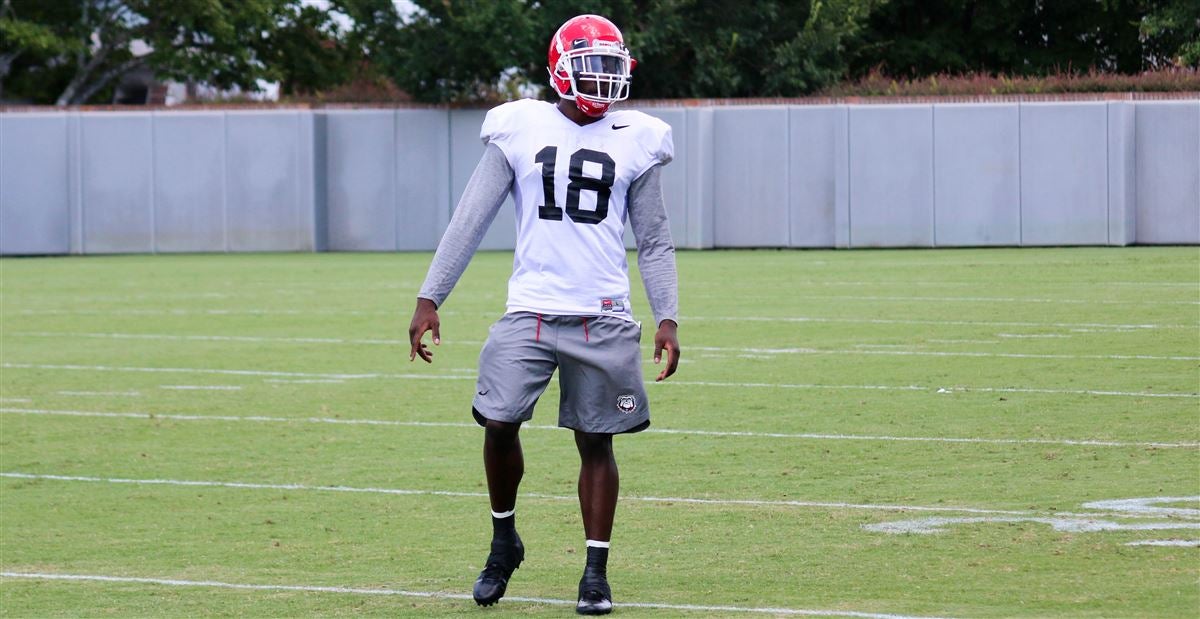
{"x": 589, "y": 64}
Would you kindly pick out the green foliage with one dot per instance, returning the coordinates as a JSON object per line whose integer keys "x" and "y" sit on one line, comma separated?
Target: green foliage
{"x": 913, "y": 38}
{"x": 1172, "y": 32}
{"x": 462, "y": 51}
{"x": 32, "y": 48}
{"x": 88, "y": 43}
{"x": 70, "y": 52}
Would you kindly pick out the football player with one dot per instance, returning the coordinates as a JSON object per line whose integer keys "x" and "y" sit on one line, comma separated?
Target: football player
{"x": 577, "y": 170}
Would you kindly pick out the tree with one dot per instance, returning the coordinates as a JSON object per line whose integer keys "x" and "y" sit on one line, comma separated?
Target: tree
{"x": 914, "y": 38}
{"x": 455, "y": 51}
{"x": 1171, "y": 32}
{"x": 310, "y": 51}
{"x": 70, "y": 51}
{"x": 473, "y": 50}
{"x": 26, "y": 41}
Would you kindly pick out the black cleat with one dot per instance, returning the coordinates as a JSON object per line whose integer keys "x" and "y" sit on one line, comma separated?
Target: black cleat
{"x": 595, "y": 598}
{"x": 506, "y": 556}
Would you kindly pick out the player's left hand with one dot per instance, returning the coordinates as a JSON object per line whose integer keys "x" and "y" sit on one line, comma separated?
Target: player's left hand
{"x": 666, "y": 339}
{"x": 425, "y": 318}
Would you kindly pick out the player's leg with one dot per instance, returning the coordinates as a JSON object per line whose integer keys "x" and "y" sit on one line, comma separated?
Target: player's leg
{"x": 504, "y": 464}
{"x": 515, "y": 366}
{"x": 599, "y": 483}
{"x": 602, "y": 394}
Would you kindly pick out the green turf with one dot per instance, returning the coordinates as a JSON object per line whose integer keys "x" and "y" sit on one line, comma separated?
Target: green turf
{"x": 835, "y": 350}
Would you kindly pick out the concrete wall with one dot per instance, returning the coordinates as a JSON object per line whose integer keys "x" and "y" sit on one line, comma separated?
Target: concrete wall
{"x": 977, "y": 175}
{"x": 35, "y": 198}
{"x": 943, "y": 175}
{"x": 891, "y": 176}
{"x": 1168, "y": 172}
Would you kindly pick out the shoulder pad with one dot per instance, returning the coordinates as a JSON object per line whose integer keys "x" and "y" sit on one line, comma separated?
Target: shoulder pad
{"x": 654, "y": 134}
{"x": 504, "y": 119}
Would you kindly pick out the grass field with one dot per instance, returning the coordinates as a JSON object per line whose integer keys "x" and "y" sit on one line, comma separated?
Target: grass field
{"x": 857, "y": 433}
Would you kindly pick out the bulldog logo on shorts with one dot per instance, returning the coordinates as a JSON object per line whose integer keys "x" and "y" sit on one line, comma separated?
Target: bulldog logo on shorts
{"x": 626, "y": 404}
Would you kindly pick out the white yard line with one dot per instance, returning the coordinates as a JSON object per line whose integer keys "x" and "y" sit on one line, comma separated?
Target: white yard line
{"x": 891, "y": 350}
{"x": 930, "y": 389}
{"x": 201, "y": 387}
{"x": 1033, "y": 336}
{"x": 107, "y": 368}
{"x": 548, "y": 497}
{"x": 679, "y": 431}
{"x": 862, "y": 349}
{"x": 216, "y": 338}
{"x": 282, "y": 381}
{"x": 132, "y": 394}
{"x": 469, "y": 376}
{"x": 496, "y": 314}
{"x": 998, "y": 300}
{"x": 963, "y": 341}
{"x": 939, "y": 323}
{"x": 441, "y": 595}
{"x": 1184, "y": 543}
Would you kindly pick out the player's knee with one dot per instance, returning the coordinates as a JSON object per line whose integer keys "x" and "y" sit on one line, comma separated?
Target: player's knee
{"x": 500, "y": 432}
{"x": 592, "y": 446}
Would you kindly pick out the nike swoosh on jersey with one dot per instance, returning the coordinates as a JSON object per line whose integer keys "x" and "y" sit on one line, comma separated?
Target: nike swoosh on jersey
{"x": 615, "y": 127}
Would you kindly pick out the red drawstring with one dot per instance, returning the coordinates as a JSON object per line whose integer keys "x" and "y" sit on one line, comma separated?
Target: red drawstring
{"x": 537, "y": 335}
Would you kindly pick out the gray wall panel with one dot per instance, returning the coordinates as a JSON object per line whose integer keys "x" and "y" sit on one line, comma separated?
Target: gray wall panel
{"x": 423, "y": 177}
{"x": 262, "y": 188}
{"x": 1064, "y": 174}
{"x": 755, "y": 176}
{"x": 309, "y": 166}
{"x": 813, "y": 174}
{"x": 891, "y": 176}
{"x": 1122, "y": 177}
{"x": 189, "y": 177}
{"x": 465, "y": 151}
{"x": 1168, "y": 172}
{"x": 116, "y": 150}
{"x": 34, "y": 184}
{"x": 750, "y": 154}
{"x": 698, "y": 172}
{"x": 75, "y": 174}
{"x": 361, "y": 182}
{"x": 977, "y": 175}
{"x": 319, "y": 186}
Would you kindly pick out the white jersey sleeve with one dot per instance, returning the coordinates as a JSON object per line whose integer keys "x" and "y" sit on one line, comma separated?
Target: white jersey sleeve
{"x": 503, "y": 124}
{"x": 571, "y": 185}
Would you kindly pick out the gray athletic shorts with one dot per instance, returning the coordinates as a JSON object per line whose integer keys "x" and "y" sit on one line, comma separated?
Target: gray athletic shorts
{"x": 599, "y": 371}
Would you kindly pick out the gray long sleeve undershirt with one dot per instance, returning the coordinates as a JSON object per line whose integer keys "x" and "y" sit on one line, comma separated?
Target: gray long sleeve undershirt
{"x": 656, "y": 250}
{"x": 485, "y": 194}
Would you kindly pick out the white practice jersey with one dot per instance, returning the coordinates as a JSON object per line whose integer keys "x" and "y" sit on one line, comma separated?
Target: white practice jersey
{"x": 570, "y": 186}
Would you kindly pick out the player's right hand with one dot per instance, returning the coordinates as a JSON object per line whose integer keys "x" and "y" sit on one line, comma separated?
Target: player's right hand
{"x": 425, "y": 318}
